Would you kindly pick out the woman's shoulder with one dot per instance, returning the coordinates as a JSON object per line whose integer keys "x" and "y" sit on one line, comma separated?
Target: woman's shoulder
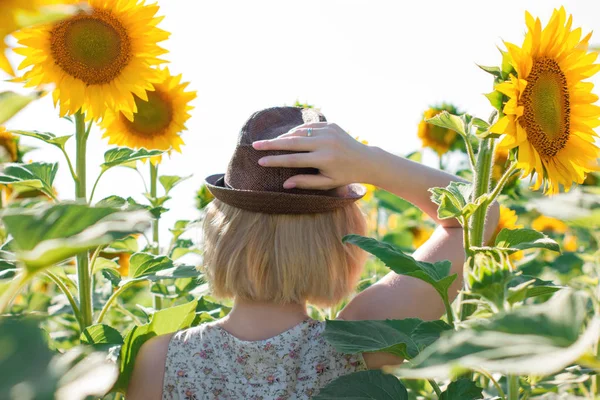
{"x": 149, "y": 371}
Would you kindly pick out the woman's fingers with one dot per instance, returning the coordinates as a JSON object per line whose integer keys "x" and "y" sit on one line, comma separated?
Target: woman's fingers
{"x": 292, "y": 143}
{"x": 297, "y": 131}
{"x": 296, "y": 160}
{"x": 320, "y": 182}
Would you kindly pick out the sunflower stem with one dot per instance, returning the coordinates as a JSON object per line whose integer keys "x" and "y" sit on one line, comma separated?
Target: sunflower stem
{"x": 13, "y": 290}
{"x": 513, "y": 387}
{"x": 481, "y": 186}
{"x": 96, "y": 184}
{"x": 61, "y": 285}
{"x": 156, "y": 300}
{"x": 70, "y": 164}
{"x": 84, "y": 276}
{"x": 503, "y": 180}
{"x": 469, "y": 147}
{"x": 435, "y": 387}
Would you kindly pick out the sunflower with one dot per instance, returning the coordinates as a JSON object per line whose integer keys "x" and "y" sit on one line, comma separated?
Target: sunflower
{"x": 10, "y": 10}
{"x": 420, "y": 235}
{"x": 570, "y": 243}
{"x": 159, "y": 118}
{"x": 549, "y": 116}
{"x": 8, "y": 145}
{"x": 549, "y": 224}
{"x": 435, "y": 137}
{"x": 98, "y": 59}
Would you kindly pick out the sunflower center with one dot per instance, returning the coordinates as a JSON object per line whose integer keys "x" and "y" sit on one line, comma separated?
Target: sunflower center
{"x": 94, "y": 47}
{"x": 153, "y": 116}
{"x": 546, "y": 107}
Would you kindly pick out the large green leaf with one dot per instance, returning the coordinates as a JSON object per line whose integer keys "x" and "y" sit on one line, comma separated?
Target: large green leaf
{"x": 532, "y": 340}
{"x": 392, "y": 202}
{"x": 512, "y": 240}
{"x": 11, "y": 103}
{"x": 48, "y": 235}
{"x": 50, "y": 138}
{"x": 404, "y": 338}
{"x": 146, "y": 266}
{"x": 125, "y": 155}
{"x": 101, "y": 334}
{"x": 436, "y": 274}
{"x": 162, "y": 322}
{"x": 36, "y": 175}
{"x": 364, "y": 385}
{"x": 29, "y": 370}
{"x": 449, "y": 121}
{"x": 462, "y": 389}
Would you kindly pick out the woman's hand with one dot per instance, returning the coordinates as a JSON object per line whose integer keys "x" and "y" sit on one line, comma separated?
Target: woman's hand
{"x": 340, "y": 158}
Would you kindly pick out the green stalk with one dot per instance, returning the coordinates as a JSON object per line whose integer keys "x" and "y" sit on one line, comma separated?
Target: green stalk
{"x": 111, "y": 299}
{"x": 483, "y": 170}
{"x": 435, "y": 387}
{"x": 84, "y": 276}
{"x": 513, "y": 387}
{"x": 61, "y": 285}
{"x": 13, "y": 290}
{"x": 156, "y": 300}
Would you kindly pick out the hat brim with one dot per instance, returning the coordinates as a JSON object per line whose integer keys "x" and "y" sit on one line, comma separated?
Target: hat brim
{"x": 281, "y": 202}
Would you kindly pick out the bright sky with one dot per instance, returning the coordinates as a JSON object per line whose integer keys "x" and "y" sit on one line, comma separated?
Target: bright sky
{"x": 372, "y": 66}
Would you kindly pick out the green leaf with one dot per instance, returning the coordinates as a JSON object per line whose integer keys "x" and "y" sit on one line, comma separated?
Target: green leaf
{"x": 462, "y": 389}
{"x": 128, "y": 204}
{"x": 480, "y": 124}
{"x": 404, "y": 338}
{"x": 522, "y": 287}
{"x": 43, "y": 375}
{"x": 146, "y": 266}
{"x": 567, "y": 263}
{"x": 449, "y": 121}
{"x": 50, "y": 138}
{"x": 532, "y": 340}
{"x": 512, "y": 240}
{"x": 51, "y": 234}
{"x": 162, "y": 322}
{"x": 101, "y": 334}
{"x": 435, "y": 274}
{"x": 113, "y": 276}
{"x": 492, "y": 70}
{"x": 124, "y": 155}
{"x": 35, "y": 175}
{"x": 102, "y": 263}
{"x": 11, "y": 103}
{"x": 126, "y": 245}
{"x": 453, "y": 200}
{"x": 496, "y": 99}
{"x": 416, "y": 156}
{"x": 392, "y": 202}
{"x": 168, "y": 182}
{"x": 181, "y": 227}
{"x": 364, "y": 385}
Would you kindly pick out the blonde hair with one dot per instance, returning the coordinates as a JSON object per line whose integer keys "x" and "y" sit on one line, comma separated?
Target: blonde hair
{"x": 282, "y": 258}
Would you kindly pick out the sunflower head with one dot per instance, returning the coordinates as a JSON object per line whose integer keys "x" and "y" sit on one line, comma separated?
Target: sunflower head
{"x": 508, "y": 220}
{"x": 98, "y": 59}
{"x": 549, "y": 114}
{"x": 549, "y": 225}
{"x": 439, "y": 139}
{"x": 8, "y": 146}
{"x": 570, "y": 243}
{"x": 421, "y": 234}
{"x": 159, "y": 119}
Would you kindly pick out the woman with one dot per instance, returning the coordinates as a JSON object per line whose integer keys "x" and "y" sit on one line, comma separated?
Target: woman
{"x": 273, "y": 243}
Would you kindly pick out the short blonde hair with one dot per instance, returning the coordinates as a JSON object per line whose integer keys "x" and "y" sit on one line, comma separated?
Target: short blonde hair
{"x": 282, "y": 258}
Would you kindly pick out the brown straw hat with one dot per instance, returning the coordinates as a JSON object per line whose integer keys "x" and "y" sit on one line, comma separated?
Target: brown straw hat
{"x": 252, "y": 187}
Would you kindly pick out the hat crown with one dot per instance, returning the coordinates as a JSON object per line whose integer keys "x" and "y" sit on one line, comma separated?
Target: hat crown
{"x": 244, "y": 172}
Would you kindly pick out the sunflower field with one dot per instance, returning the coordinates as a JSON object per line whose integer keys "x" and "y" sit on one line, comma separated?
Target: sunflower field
{"x": 85, "y": 283}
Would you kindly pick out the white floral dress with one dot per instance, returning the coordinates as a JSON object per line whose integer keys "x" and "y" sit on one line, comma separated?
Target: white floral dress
{"x": 207, "y": 362}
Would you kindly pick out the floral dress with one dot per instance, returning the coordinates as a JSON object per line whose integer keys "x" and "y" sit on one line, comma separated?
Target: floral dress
{"x": 207, "y": 362}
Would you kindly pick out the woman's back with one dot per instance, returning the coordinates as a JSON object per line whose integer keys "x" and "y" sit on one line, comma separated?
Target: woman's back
{"x": 207, "y": 362}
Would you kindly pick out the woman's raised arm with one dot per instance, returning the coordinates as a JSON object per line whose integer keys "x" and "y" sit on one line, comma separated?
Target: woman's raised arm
{"x": 343, "y": 160}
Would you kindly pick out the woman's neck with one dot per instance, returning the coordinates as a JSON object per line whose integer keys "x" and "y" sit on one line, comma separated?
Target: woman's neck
{"x": 253, "y": 320}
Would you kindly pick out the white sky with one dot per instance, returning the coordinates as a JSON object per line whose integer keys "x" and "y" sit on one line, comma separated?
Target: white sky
{"x": 372, "y": 66}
